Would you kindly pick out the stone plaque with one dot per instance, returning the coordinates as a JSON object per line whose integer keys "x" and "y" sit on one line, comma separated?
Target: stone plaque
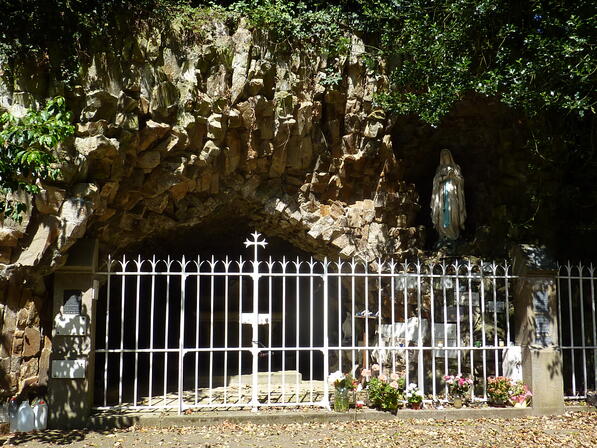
{"x": 72, "y": 301}
{"x": 543, "y": 324}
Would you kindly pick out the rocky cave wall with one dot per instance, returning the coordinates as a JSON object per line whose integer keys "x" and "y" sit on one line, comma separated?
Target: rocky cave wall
{"x": 171, "y": 130}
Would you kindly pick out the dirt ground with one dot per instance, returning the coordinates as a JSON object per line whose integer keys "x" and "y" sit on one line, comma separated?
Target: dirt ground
{"x": 568, "y": 430}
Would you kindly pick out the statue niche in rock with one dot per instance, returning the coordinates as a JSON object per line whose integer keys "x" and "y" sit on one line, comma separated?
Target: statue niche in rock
{"x": 448, "y": 211}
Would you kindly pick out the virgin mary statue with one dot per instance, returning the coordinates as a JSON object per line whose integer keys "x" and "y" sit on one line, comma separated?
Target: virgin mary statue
{"x": 447, "y": 199}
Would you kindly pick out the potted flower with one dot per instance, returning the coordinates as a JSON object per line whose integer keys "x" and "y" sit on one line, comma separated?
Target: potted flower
{"x": 385, "y": 393}
{"x": 413, "y": 396}
{"x": 458, "y": 387}
{"x": 342, "y": 383}
{"x": 498, "y": 390}
{"x": 520, "y": 394}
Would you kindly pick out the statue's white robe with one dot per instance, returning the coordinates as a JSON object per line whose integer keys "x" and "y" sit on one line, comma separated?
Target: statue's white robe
{"x": 448, "y": 211}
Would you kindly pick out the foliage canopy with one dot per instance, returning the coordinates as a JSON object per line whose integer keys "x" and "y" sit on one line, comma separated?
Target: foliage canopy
{"x": 536, "y": 56}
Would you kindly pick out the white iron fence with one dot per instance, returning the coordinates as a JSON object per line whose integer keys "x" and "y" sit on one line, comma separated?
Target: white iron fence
{"x": 578, "y": 329}
{"x": 186, "y": 334}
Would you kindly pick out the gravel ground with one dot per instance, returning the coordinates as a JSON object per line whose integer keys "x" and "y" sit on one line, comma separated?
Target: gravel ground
{"x": 568, "y": 430}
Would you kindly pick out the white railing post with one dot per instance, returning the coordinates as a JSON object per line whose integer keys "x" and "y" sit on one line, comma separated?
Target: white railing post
{"x": 255, "y": 324}
{"x": 326, "y": 353}
{"x": 183, "y": 279}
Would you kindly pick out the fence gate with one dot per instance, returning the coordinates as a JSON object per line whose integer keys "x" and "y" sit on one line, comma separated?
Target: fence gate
{"x": 211, "y": 333}
{"x": 206, "y": 333}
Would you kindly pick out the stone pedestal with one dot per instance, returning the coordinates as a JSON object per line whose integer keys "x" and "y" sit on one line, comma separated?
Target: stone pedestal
{"x": 536, "y": 326}
{"x": 70, "y": 387}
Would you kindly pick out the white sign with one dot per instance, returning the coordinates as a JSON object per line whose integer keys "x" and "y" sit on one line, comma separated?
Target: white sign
{"x": 249, "y": 318}
{"x": 70, "y": 325}
{"x": 69, "y": 368}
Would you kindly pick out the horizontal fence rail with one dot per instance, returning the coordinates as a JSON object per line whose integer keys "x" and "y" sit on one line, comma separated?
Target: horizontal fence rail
{"x": 207, "y": 333}
{"x": 578, "y": 329}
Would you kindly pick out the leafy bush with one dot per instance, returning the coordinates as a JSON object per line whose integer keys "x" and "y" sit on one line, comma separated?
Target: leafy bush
{"x": 26, "y": 151}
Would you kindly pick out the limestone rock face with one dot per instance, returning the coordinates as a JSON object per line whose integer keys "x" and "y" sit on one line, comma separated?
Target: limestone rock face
{"x": 174, "y": 130}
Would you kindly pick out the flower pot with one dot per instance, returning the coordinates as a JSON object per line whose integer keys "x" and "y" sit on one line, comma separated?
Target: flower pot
{"x": 341, "y": 399}
{"x": 522, "y": 404}
{"x": 416, "y": 405}
{"x": 457, "y": 402}
{"x": 497, "y": 403}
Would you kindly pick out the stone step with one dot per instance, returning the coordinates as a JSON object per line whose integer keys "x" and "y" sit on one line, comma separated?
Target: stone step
{"x": 276, "y": 378}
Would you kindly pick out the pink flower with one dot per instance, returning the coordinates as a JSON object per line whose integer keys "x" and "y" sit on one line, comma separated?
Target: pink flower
{"x": 394, "y": 376}
{"x": 366, "y": 373}
{"x": 375, "y": 367}
{"x": 383, "y": 378}
{"x": 394, "y": 384}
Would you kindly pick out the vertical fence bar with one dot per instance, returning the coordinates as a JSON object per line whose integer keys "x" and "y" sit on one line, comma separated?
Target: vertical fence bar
{"x": 311, "y": 266}
{"x": 270, "y": 266}
{"x": 240, "y": 326}
{"x": 445, "y": 309}
{"x": 458, "y": 331}
{"x": 226, "y": 312}
{"x": 297, "y": 388}
{"x": 168, "y": 264}
{"x": 151, "y": 329}
{"x": 470, "y": 318}
{"x": 284, "y": 264}
{"x": 582, "y": 326}
{"x": 353, "y": 337}
{"x": 560, "y": 322}
{"x": 340, "y": 320}
{"x": 181, "y": 351}
{"x": 432, "y": 311}
{"x": 366, "y": 317}
{"x": 226, "y": 320}
{"x": 507, "y": 292}
{"x": 569, "y": 278}
{"x": 594, "y": 342}
{"x": 420, "y": 373}
{"x": 107, "y": 346}
{"x": 326, "y": 342}
{"x": 137, "y": 293}
{"x": 483, "y": 335}
{"x": 393, "y": 311}
{"x": 122, "y": 298}
{"x": 212, "y": 266}
{"x": 495, "y": 320}
{"x": 197, "y": 326}
{"x": 379, "y": 313}
{"x": 405, "y": 326}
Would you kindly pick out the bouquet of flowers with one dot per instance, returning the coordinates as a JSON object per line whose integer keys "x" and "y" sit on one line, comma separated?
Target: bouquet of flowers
{"x": 458, "y": 385}
{"x": 413, "y": 395}
{"x": 520, "y": 393}
{"x": 340, "y": 380}
{"x": 498, "y": 389}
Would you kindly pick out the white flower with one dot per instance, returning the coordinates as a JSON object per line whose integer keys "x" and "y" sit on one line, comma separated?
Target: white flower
{"x": 336, "y": 376}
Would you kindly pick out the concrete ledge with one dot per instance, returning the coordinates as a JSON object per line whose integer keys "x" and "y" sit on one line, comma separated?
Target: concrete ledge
{"x": 103, "y": 421}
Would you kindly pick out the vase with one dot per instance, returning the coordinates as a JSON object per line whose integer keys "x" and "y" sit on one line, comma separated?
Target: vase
{"x": 457, "y": 402}
{"x": 341, "y": 399}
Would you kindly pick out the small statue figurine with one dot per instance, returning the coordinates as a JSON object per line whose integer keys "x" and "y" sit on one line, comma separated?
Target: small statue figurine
{"x": 447, "y": 199}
